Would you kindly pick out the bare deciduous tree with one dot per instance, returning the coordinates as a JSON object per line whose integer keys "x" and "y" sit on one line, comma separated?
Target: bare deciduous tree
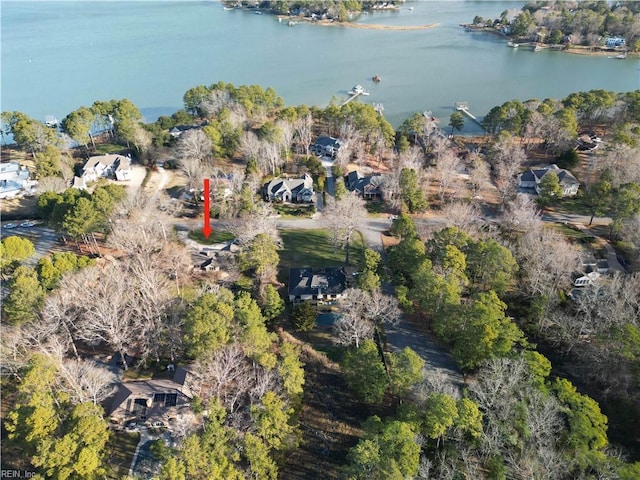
{"x": 304, "y": 133}
{"x": 85, "y": 381}
{"x": 215, "y": 102}
{"x": 479, "y": 176}
{"x": 351, "y": 329}
{"x": 506, "y": 159}
{"x": 192, "y": 149}
{"x": 142, "y": 232}
{"x": 362, "y": 311}
{"x": 194, "y": 144}
{"x": 58, "y": 316}
{"x": 343, "y": 217}
{"x": 286, "y": 135}
{"x": 261, "y": 220}
{"x": 436, "y": 380}
{"x": 549, "y": 258}
{"x": 106, "y": 315}
{"x": 52, "y": 184}
{"x": 445, "y": 173}
{"x": 270, "y": 158}
{"x": 193, "y": 171}
{"x": 465, "y": 216}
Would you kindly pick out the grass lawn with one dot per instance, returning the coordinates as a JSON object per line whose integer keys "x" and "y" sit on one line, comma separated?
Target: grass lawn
{"x": 120, "y": 450}
{"x": 572, "y": 233}
{"x": 313, "y": 248}
{"x": 217, "y": 236}
{"x": 287, "y": 210}
{"x": 107, "y": 148}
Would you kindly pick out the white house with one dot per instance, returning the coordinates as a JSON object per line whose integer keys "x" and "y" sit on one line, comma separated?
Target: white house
{"x": 532, "y": 177}
{"x": 107, "y": 166}
{"x": 14, "y": 178}
{"x": 613, "y": 42}
{"x": 298, "y": 190}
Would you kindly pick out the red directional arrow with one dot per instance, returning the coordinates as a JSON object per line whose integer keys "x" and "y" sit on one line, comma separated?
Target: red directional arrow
{"x": 206, "y": 229}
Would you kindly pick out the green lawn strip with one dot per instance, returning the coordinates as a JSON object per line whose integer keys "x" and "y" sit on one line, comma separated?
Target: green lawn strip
{"x": 217, "y": 236}
{"x": 294, "y": 211}
{"x": 120, "y": 450}
{"x": 569, "y": 232}
{"x": 313, "y": 248}
{"x": 108, "y": 148}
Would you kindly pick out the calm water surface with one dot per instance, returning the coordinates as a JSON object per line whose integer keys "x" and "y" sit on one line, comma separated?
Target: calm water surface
{"x": 57, "y": 56}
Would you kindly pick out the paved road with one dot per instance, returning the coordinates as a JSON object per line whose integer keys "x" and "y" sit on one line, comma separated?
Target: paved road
{"x": 43, "y": 238}
{"x": 407, "y": 334}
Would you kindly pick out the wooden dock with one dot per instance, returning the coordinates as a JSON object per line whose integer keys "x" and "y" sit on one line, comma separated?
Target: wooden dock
{"x": 464, "y": 108}
{"x": 354, "y": 93}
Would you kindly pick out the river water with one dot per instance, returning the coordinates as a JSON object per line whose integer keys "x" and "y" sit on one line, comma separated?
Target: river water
{"x": 57, "y": 56}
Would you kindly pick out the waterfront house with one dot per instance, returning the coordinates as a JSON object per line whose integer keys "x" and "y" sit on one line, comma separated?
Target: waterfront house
{"x": 367, "y": 186}
{"x": 14, "y": 179}
{"x": 325, "y": 146}
{"x": 532, "y": 177}
{"x": 107, "y": 166}
{"x": 319, "y": 286}
{"x": 614, "y": 42}
{"x": 297, "y": 190}
{"x": 161, "y": 400}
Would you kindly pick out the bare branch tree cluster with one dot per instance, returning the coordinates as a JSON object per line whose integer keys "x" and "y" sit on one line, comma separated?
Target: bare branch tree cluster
{"x": 362, "y": 312}
{"x": 343, "y": 218}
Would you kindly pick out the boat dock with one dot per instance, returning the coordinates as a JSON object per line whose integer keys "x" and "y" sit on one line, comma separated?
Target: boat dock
{"x": 464, "y": 108}
{"x": 355, "y": 92}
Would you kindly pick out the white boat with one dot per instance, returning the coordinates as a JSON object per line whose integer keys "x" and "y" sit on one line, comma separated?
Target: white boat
{"x": 512, "y": 44}
{"x": 537, "y": 49}
{"x": 358, "y": 90}
{"x": 51, "y": 121}
{"x": 622, "y": 56}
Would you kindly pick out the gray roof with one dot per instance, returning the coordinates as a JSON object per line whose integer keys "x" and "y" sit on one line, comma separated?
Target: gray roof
{"x": 315, "y": 281}
{"x": 565, "y": 177}
{"x": 295, "y": 185}
{"x": 364, "y": 183}
{"x": 325, "y": 141}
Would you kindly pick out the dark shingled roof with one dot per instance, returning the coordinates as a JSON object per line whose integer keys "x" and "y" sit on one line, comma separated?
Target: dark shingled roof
{"x": 314, "y": 281}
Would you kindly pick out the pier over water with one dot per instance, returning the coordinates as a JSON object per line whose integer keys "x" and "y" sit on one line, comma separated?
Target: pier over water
{"x": 464, "y": 108}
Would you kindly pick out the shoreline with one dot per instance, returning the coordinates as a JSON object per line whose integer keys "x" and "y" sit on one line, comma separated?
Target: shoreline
{"x": 572, "y": 49}
{"x": 366, "y": 26}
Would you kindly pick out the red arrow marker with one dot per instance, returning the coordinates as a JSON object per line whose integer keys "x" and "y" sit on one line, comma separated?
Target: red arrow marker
{"x": 206, "y": 229}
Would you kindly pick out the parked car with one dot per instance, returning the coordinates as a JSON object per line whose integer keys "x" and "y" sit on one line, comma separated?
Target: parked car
{"x": 9, "y": 225}
{"x": 27, "y": 224}
{"x": 131, "y": 427}
{"x": 157, "y": 424}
